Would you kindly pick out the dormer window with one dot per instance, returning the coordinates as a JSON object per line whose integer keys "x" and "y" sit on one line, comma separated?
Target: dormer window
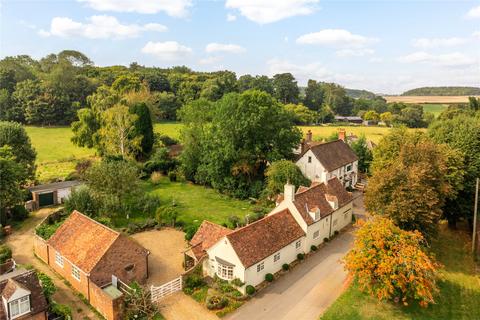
{"x": 19, "y": 307}
{"x": 315, "y": 213}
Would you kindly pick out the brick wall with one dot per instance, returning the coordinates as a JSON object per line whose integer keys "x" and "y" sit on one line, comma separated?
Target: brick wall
{"x": 110, "y": 309}
{"x": 40, "y": 248}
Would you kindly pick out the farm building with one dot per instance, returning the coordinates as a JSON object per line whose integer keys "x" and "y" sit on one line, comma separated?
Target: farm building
{"x": 52, "y": 193}
{"x": 94, "y": 259}
{"x": 22, "y": 296}
{"x": 350, "y": 119}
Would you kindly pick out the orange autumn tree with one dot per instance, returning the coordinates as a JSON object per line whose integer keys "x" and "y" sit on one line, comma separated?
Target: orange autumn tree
{"x": 390, "y": 264}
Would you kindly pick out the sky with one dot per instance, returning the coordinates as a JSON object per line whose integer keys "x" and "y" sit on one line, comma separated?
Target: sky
{"x": 383, "y": 46}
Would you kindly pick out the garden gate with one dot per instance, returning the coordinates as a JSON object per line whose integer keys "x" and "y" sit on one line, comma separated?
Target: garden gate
{"x": 166, "y": 289}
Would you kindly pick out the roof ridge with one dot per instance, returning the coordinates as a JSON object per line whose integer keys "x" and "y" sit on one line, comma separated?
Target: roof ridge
{"x": 259, "y": 220}
{"x": 215, "y": 224}
{"x": 95, "y": 221}
{"x": 324, "y": 143}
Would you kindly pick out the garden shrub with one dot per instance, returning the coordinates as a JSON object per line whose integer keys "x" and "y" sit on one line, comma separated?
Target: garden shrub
{"x": 300, "y": 256}
{"x": 19, "y": 213}
{"x": 269, "y": 277}
{"x": 167, "y": 215}
{"x": 250, "y": 290}
{"x": 48, "y": 287}
{"x": 235, "y": 221}
{"x": 156, "y": 177}
{"x": 190, "y": 231}
{"x": 61, "y": 310}
{"x": 106, "y": 221}
{"x": 238, "y": 283}
{"x": 325, "y": 239}
{"x": 194, "y": 281}
{"x": 216, "y": 302}
{"x": 172, "y": 176}
{"x": 313, "y": 247}
{"x": 285, "y": 266}
{"x": 82, "y": 199}
{"x": 5, "y": 253}
{"x": 46, "y": 230}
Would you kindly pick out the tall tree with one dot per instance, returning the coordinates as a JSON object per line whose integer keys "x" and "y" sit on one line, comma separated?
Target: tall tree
{"x": 12, "y": 174}
{"x": 13, "y": 134}
{"x": 279, "y": 173}
{"x": 313, "y": 95}
{"x": 363, "y": 153}
{"x": 286, "y": 88}
{"x": 143, "y": 128}
{"x": 117, "y": 132}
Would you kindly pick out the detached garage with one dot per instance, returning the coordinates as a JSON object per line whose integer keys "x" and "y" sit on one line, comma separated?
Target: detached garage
{"x": 52, "y": 193}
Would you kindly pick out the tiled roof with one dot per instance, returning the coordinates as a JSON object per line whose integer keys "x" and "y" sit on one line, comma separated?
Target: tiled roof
{"x": 55, "y": 186}
{"x": 333, "y": 155}
{"x": 264, "y": 237}
{"x": 206, "y": 236}
{"x": 83, "y": 241}
{"x": 316, "y": 196}
{"x": 27, "y": 280}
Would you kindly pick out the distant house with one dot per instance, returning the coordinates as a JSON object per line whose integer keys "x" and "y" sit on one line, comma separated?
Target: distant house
{"x": 22, "y": 296}
{"x": 324, "y": 161}
{"x": 351, "y": 119}
{"x": 52, "y": 193}
{"x": 250, "y": 252}
{"x": 92, "y": 257}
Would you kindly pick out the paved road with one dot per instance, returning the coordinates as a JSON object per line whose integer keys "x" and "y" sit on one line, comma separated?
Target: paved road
{"x": 307, "y": 291}
{"x": 21, "y": 242}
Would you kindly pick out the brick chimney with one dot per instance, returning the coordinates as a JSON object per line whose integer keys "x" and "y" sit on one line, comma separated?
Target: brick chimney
{"x": 289, "y": 192}
{"x": 309, "y": 136}
{"x": 342, "y": 134}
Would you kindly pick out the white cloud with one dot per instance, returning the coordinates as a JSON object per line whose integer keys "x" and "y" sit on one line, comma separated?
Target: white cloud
{"x": 438, "y": 42}
{"x": 231, "y": 17}
{"x": 174, "y": 8}
{"x": 169, "y": 50}
{"x": 97, "y": 27}
{"x": 268, "y": 11}
{"x": 209, "y": 60}
{"x": 336, "y": 38}
{"x": 455, "y": 59}
{"x": 355, "y": 52}
{"x": 474, "y": 13}
{"x": 220, "y": 47}
{"x": 476, "y": 34}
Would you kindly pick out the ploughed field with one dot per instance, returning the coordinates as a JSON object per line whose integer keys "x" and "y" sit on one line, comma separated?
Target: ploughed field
{"x": 427, "y": 99}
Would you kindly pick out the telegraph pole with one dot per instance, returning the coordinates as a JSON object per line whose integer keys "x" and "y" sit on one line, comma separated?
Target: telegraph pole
{"x": 475, "y": 217}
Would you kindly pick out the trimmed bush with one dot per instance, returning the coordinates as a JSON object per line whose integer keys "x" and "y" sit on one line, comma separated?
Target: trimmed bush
{"x": 250, "y": 290}
{"x": 216, "y": 302}
{"x": 5, "y": 253}
{"x": 313, "y": 247}
{"x": 285, "y": 266}
{"x": 300, "y": 256}
{"x": 325, "y": 239}
{"x": 237, "y": 282}
{"x": 269, "y": 277}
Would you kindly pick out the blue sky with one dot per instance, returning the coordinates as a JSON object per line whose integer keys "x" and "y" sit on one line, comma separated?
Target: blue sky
{"x": 383, "y": 46}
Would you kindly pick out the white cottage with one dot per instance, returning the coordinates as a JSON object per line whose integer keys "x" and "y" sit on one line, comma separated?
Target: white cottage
{"x": 301, "y": 220}
{"x": 324, "y": 161}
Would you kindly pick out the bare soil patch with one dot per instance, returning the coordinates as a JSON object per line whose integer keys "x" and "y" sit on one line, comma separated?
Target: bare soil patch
{"x": 166, "y": 248}
{"x": 179, "y": 306}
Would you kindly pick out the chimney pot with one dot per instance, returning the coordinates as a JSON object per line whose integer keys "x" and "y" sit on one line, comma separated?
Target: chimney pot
{"x": 309, "y": 136}
{"x": 342, "y": 134}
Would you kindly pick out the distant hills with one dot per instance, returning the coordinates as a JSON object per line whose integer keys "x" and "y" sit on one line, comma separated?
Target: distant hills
{"x": 357, "y": 93}
{"x": 443, "y": 91}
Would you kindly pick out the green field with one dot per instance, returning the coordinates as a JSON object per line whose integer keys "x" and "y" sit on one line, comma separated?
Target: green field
{"x": 435, "y": 108}
{"x": 194, "y": 203}
{"x": 57, "y": 155}
{"x": 458, "y": 299}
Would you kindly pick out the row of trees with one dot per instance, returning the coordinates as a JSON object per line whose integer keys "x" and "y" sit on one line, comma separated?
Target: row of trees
{"x": 51, "y": 90}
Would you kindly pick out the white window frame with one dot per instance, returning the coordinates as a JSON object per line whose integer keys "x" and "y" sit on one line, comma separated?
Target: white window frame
{"x": 349, "y": 167}
{"x": 59, "y": 259}
{"x": 225, "y": 272}
{"x": 260, "y": 266}
{"x": 22, "y": 302}
{"x": 75, "y": 272}
{"x": 276, "y": 257}
{"x": 316, "y": 234}
{"x": 298, "y": 244}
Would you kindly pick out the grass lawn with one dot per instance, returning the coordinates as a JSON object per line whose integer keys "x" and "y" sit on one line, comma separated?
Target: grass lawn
{"x": 435, "y": 108}
{"x": 195, "y": 203}
{"x": 171, "y": 129}
{"x": 56, "y": 154}
{"x": 459, "y": 295}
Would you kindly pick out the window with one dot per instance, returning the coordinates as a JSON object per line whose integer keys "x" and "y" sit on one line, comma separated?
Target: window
{"x": 76, "y": 273}
{"x": 59, "y": 259}
{"x": 309, "y": 159}
{"x": 260, "y": 266}
{"x": 298, "y": 244}
{"x": 349, "y": 168}
{"x": 316, "y": 234}
{"x": 225, "y": 272}
{"x": 276, "y": 257}
{"x": 19, "y": 307}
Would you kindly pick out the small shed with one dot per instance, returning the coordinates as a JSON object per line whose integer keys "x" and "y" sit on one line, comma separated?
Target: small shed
{"x": 52, "y": 193}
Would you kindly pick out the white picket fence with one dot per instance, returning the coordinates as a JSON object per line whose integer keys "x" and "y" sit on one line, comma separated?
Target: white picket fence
{"x": 166, "y": 289}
